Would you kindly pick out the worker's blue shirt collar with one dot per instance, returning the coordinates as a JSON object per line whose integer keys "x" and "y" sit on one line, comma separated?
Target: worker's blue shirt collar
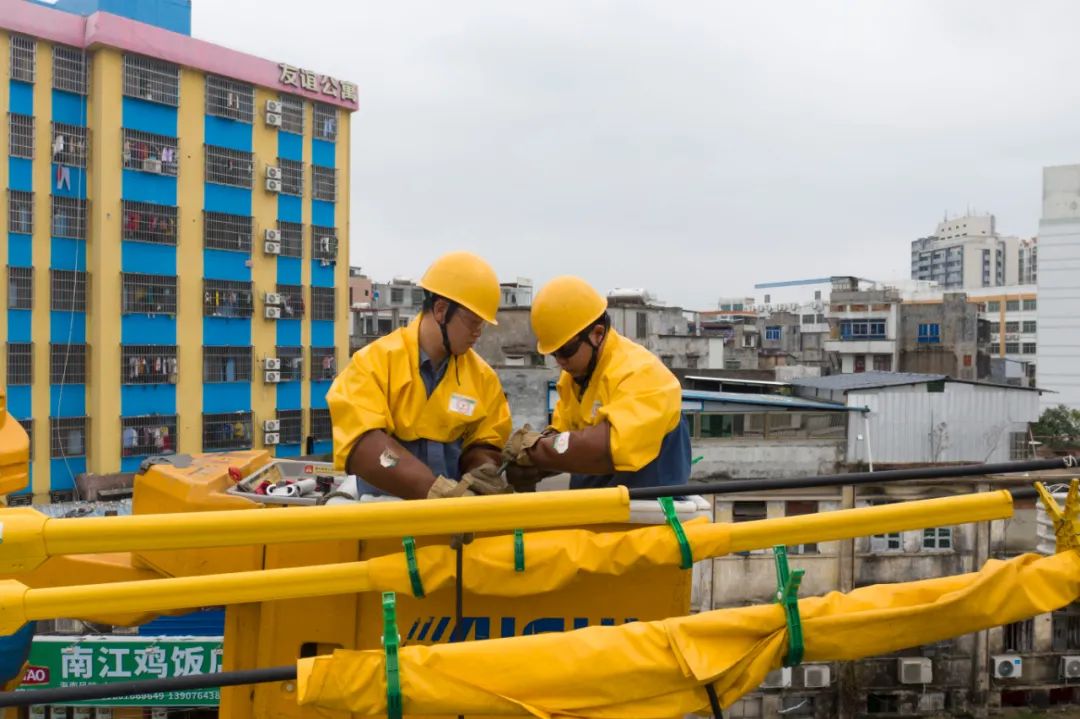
{"x": 429, "y": 373}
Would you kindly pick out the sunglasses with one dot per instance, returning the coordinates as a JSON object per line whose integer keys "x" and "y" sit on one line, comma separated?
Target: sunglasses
{"x": 569, "y": 349}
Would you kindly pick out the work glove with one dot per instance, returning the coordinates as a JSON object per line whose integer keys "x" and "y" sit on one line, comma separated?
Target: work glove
{"x": 523, "y": 479}
{"x": 486, "y": 479}
{"x": 444, "y": 487}
{"x": 516, "y": 449}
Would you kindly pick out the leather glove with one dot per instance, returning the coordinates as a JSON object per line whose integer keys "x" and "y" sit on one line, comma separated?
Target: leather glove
{"x": 444, "y": 487}
{"x": 486, "y": 479}
{"x": 523, "y": 479}
{"x": 520, "y": 441}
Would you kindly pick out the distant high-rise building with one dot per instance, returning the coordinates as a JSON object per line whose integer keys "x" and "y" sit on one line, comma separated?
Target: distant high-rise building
{"x": 1059, "y": 302}
{"x": 967, "y": 253}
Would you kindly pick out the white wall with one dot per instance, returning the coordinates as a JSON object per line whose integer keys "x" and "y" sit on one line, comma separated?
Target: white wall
{"x": 1059, "y": 286}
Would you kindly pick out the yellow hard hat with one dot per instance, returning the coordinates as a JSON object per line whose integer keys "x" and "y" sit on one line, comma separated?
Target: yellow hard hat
{"x": 562, "y": 309}
{"x": 467, "y": 279}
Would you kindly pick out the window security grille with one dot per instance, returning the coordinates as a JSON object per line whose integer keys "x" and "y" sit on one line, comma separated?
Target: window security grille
{"x": 226, "y": 431}
{"x": 292, "y": 114}
{"x": 67, "y": 290}
{"x": 292, "y": 176}
{"x": 21, "y": 288}
{"x": 291, "y": 425}
{"x": 69, "y": 144}
{"x": 325, "y": 119}
{"x": 226, "y": 364}
{"x": 227, "y": 298}
{"x": 292, "y": 363}
{"x": 71, "y": 69}
{"x": 323, "y": 183}
{"x": 20, "y": 363}
{"x": 152, "y": 80}
{"x": 23, "y": 58}
{"x": 229, "y": 98}
{"x": 148, "y": 364}
{"x": 148, "y": 294}
{"x": 323, "y": 364}
{"x": 320, "y": 424}
{"x": 226, "y": 232}
{"x": 292, "y": 301}
{"x": 324, "y": 243}
{"x": 21, "y": 135}
{"x": 292, "y": 238}
{"x": 68, "y": 436}
{"x": 28, "y": 425}
{"x": 148, "y": 434}
{"x": 228, "y": 167}
{"x": 69, "y": 217}
{"x": 21, "y": 212}
{"x": 322, "y": 303}
{"x": 147, "y": 222}
{"x": 147, "y": 152}
{"x": 67, "y": 363}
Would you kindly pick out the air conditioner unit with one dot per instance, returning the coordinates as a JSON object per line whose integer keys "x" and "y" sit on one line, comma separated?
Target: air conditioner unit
{"x": 273, "y": 313}
{"x": 272, "y": 248}
{"x": 914, "y": 670}
{"x": 816, "y": 676}
{"x": 273, "y": 119}
{"x": 152, "y": 164}
{"x": 37, "y": 712}
{"x": 271, "y": 363}
{"x": 271, "y": 425}
{"x": 272, "y": 377}
{"x": 273, "y": 106}
{"x": 777, "y": 679}
{"x": 272, "y": 298}
{"x": 1007, "y": 666}
{"x": 81, "y": 712}
{"x": 67, "y": 626}
{"x": 271, "y": 438}
{"x": 1070, "y": 667}
{"x": 103, "y": 713}
{"x": 56, "y": 712}
{"x": 273, "y": 172}
{"x": 272, "y": 235}
{"x": 273, "y": 185}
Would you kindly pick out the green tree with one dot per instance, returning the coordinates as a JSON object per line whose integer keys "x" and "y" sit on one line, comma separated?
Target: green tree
{"x": 1059, "y": 427}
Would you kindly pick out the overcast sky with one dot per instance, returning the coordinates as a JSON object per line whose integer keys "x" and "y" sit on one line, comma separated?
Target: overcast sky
{"x": 690, "y": 148}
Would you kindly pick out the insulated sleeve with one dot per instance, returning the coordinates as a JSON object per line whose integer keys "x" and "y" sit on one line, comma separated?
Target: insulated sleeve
{"x": 358, "y": 402}
{"x": 644, "y": 406}
{"x": 495, "y": 424}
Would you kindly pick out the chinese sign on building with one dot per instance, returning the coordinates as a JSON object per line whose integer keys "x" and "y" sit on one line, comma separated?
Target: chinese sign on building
{"x": 80, "y": 661}
{"x": 324, "y": 84}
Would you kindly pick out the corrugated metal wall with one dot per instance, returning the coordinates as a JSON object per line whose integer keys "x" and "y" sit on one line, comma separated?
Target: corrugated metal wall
{"x": 965, "y": 423}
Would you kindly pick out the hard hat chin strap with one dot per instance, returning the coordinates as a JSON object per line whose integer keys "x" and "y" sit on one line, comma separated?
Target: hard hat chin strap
{"x": 583, "y": 381}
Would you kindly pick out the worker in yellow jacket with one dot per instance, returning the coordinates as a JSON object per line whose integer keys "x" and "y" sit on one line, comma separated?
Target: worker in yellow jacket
{"x": 618, "y": 419}
{"x": 418, "y": 414}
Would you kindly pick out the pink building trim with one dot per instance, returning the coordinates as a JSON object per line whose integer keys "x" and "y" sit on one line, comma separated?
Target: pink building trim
{"x": 105, "y": 29}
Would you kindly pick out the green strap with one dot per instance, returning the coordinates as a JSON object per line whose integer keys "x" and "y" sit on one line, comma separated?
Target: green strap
{"x": 519, "y": 550}
{"x": 787, "y": 594}
{"x": 390, "y": 641}
{"x": 668, "y": 505}
{"x": 414, "y": 568}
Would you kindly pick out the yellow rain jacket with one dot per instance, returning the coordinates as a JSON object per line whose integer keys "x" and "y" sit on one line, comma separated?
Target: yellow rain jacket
{"x": 381, "y": 388}
{"x": 641, "y": 399}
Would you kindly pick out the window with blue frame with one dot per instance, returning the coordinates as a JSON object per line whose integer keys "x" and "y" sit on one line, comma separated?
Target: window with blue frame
{"x": 862, "y": 329}
{"x": 929, "y": 333}
{"x": 772, "y": 333}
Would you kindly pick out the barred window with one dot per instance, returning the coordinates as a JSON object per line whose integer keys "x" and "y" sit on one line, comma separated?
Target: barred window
{"x": 228, "y": 167}
{"x": 68, "y": 436}
{"x": 227, "y": 298}
{"x": 69, "y": 217}
{"x": 324, "y": 243}
{"x": 23, "y": 58}
{"x": 28, "y": 426}
{"x": 292, "y": 176}
{"x": 226, "y": 430}
{"x": 152, "y": 80}
{"x": 21, "y": 288}
{"x": 20, "y": 363}
{"x": 148, "y": 364}
{"x": 226, "y": 364}
{"x": 148, "y": 434}
{"x": 325, "y": 119}
{"x": 323, "y": 183}
{"x": 21, "y": 135}
{"x": 229, "y": 98}
{"x": 292, "y": 363}
{"x": 292, "y": 114}
{"x": 147, "y": 152}
{"x": 71, "y": 69}
{"x": 21, "y": 212}
{"x": 292, "y": 301}
{"x": 291, "y": 420}
{"x": 68, "y": 290}
{"x": 323, "y": 364}
{"x": 67, "y": 363}
{"x": 320, "y": 424}
{"x": 69, "y": 144}
{"x": 147, "y": 222}
{"x": 147, "y": 294}
{"x": 226, "y": 232}
{"x": 322, "y": 303}
{"x": 292, "y": 238}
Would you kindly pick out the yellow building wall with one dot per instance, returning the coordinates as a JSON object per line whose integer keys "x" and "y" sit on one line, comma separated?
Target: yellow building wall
{"x": 264, "y": 142}
{"x": 5, "y": 101}
{"x": 342, "y": 314}
{"x": 42, "y": 251}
